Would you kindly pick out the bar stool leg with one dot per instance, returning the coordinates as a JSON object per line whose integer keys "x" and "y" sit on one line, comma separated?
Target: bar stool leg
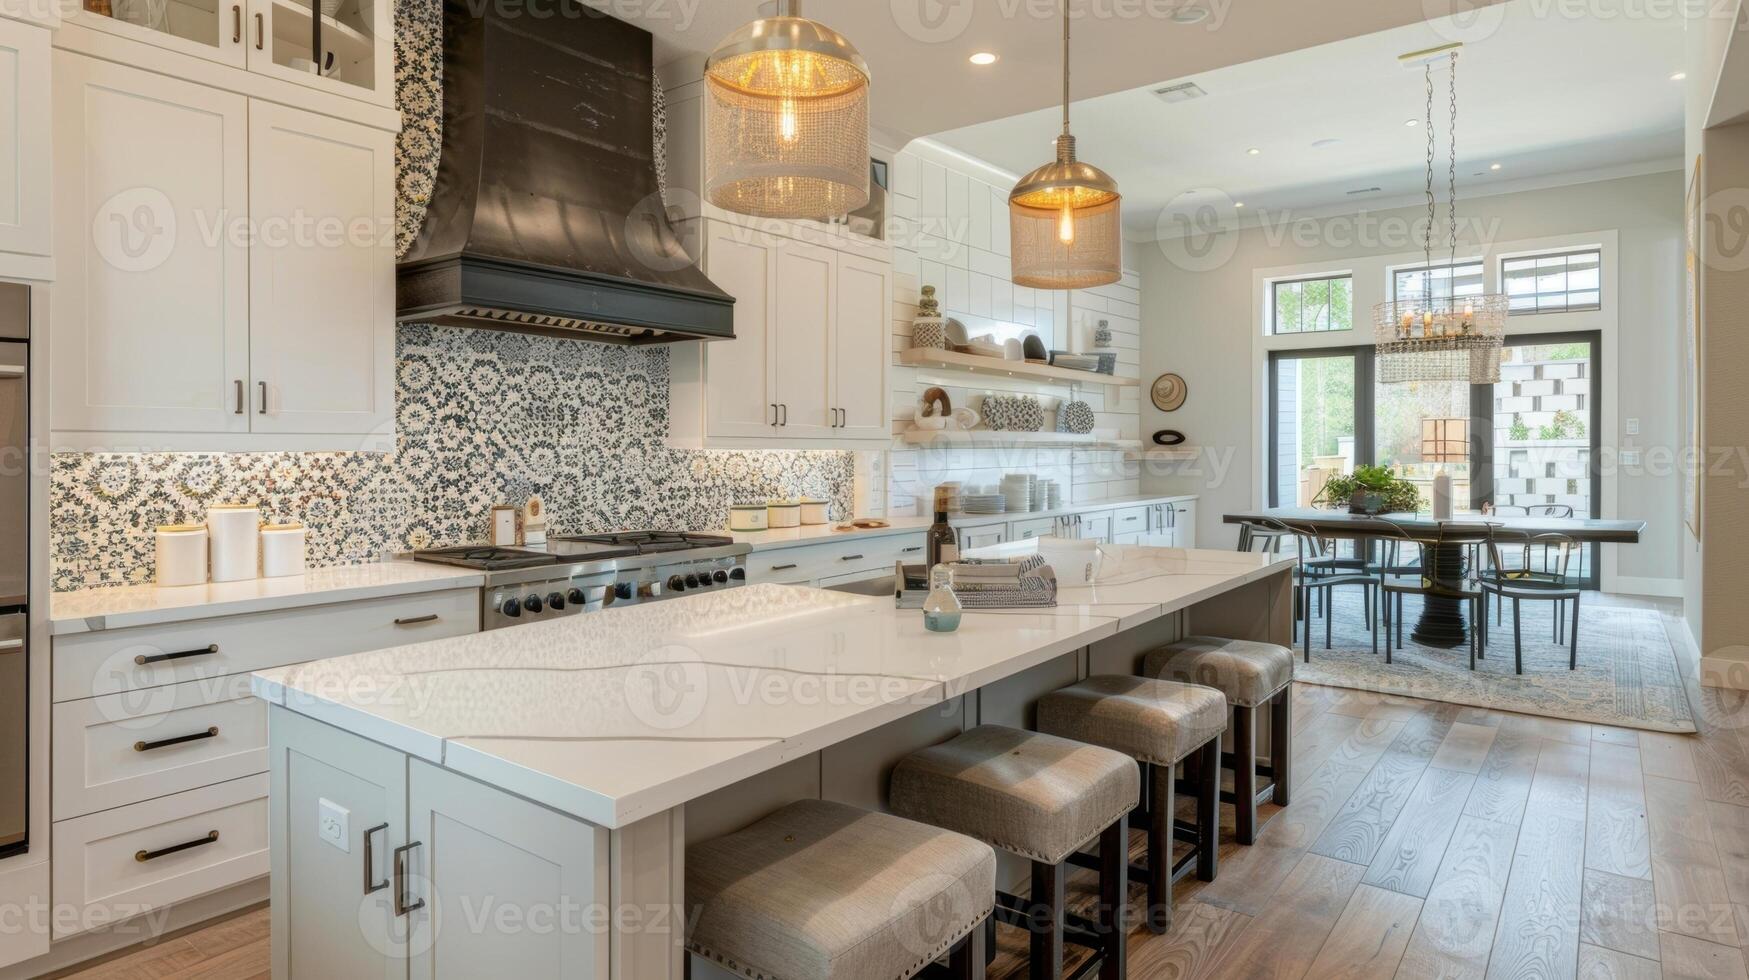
{"x": 990, "y": 940}
{"x": 968, "y": 959}
{"x": 1161, "y": 805}
{"x": 1208, "y": 816}
{"x": 1281, "y": 740}
{"x": 1048, "y": 901}
{"x": 1114, "y": 879}
{"x": 1245, "y": 774}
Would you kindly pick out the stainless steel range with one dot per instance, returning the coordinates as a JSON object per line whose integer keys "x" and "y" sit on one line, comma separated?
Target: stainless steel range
{"x": 583, "y": 573}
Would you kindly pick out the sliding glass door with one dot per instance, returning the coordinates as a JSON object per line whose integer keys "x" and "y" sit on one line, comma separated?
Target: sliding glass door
{"x": 1315, "y": 398}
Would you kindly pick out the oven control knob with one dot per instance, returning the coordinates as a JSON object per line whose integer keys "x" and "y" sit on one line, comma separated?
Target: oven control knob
{"x": 623, "y": 590}
{"x": 533, "y": 603}
{"x": 649, "y": 590}
{"x": 511, "y": 607}
{"x": 677, "y": 584}
{"x": 691, "y": 581}
{"x": 738, "y": 574}
{"x": 719, "y": 576}
{"x": 556, "y": 601}
{"x": 576, "y": 598}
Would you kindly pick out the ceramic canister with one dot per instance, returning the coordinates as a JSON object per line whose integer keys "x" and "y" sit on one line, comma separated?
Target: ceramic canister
{"x": 780, "y": 513}
{"x": 815, "y": 511}
{"x": 234, "y": 538}
{"x": 282, "y": 549}
{"x": 181, "y": 554}
{"x": 747, "y": 517}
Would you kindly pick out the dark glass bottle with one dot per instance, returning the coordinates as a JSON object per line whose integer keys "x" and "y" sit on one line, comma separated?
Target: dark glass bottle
{"x": 941, "y": 544}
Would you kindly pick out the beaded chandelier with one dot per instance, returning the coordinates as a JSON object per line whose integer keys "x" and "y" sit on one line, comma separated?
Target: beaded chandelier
{"x": 1440, "y": 338}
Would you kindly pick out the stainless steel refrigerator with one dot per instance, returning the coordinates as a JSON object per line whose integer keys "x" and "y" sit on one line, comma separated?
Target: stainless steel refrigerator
{"x": 15, "y": 464}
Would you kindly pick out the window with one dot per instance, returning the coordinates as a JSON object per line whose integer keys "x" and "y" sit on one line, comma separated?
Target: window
{"x": 1462, "y": 279}
{"x": 1312, "y": 305}
{"x": 1557, "y": 283}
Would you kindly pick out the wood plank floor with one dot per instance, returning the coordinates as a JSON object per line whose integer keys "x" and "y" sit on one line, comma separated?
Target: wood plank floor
{"x": 1425, "y": 840}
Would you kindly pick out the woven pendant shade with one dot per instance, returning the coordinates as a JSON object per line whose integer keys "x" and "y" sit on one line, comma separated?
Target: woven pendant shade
{"x": 1065, "y": 224}
{"x": 786, "y": 121}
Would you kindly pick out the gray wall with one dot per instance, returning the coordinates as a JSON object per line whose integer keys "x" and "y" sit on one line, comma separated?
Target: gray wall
{"x": 1200, "y": 324}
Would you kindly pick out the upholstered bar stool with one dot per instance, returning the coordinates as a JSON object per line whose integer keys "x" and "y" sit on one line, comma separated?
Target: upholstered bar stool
{"x": 825, "y": 891}
{"x": 1043, "y": 798}
{"x": 1159, "y": 724}
{"x": 1251, "y": 675}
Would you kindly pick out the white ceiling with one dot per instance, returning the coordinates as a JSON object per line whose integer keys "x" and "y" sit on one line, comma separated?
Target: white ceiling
{"x": 917, "y": 49}
{"x": 1539, "y": 93}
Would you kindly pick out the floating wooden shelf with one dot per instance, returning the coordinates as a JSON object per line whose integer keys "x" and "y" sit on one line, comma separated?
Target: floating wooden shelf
{"x": 991, "y": 439}
{"x": 946, "y": 360}
{"x": 1162, "y": 454}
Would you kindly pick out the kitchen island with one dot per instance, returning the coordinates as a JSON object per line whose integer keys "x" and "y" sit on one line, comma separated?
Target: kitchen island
{"x": 518, "y": 802}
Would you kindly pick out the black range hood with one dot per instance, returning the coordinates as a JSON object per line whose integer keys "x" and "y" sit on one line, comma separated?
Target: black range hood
{"x": 545, "y": 216}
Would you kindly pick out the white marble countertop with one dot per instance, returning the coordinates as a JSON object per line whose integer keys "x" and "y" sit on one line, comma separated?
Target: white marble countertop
{"x": 795, "y": 537}
{"x": 148, "y": 605}
{"x": 617, "y": 715}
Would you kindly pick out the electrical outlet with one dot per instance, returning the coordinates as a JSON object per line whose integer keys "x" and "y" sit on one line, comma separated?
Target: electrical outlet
{"x": 333, "y": 824}
{"x": 1633, "y": 427}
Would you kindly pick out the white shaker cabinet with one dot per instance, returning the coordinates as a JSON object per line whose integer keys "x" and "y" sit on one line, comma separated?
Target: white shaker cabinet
{"x": 150, "y": 312}
{"x": 24, "y": 150}
{"x": 321, "y": 273}
{"x": 808, "y": 365}
{"x": 226, "y": 269}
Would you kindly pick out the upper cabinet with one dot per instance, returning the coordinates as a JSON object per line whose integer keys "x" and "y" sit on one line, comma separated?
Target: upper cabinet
{"x": 340, "y": 46}
{"x": 225, "y": 269}
{"x": 24, "y": 150}
{"x": 808, "y": 365}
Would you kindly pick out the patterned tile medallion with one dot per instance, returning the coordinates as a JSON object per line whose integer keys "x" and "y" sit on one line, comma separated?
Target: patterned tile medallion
{"x": 483, "y": 418}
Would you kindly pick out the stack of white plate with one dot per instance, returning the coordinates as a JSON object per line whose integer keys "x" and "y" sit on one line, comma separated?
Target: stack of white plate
{"x": 983, "y": 503}
{"x": 1048, "y": 494}
{"x": 1017, "y": 490}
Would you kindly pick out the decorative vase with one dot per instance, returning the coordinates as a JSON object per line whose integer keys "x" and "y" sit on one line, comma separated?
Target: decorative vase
{"x": 1368, "y": 502}
{"x": 929, "y": 333}
{"x": 1075, "y": 418}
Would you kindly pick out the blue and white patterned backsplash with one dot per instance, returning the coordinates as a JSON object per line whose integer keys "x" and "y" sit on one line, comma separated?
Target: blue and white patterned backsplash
{"x": 483, "y": 418}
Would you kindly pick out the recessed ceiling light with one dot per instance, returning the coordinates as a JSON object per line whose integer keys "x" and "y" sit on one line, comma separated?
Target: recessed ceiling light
{"x": 1253, "y": 151}
{"x": 1679, "y": 76}
{"x": 1493, "y": 166}
{"x": 1411, "y": 122}
{"x": 984, "y": 58}
{"x": 1238, "y": 204}
{"x": 1326, "y": 141}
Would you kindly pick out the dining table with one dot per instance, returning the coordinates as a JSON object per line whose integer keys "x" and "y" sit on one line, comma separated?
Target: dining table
{"x": 1441, "y": 623}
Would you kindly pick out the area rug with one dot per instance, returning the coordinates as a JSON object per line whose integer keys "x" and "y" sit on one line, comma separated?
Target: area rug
{"x": 1627, "y": 673}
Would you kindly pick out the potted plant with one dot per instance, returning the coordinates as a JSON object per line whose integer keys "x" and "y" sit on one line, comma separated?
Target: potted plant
{"x": 1370, "y": 490}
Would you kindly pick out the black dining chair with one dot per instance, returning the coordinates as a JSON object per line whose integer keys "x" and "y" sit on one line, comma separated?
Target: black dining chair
{"x": 1428, "y": 580}
{"x": 1538, "y": 568}
{"x": 1319, "y": 573}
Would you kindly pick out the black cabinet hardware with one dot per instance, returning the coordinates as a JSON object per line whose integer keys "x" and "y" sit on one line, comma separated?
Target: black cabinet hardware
{"x": 370, "y": 861}
{"x": 154, "y": 658}
{"x": 211, "y": 837}
{"x": 417, "y": 620}
{"x": 401, "y": 906}
{"x": 212, "y": 732}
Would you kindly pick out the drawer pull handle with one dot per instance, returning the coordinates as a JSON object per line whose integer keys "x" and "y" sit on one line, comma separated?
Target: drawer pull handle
{"x": 211, "y": 837}
{"x": 401, "y": 906}
{"x": 851, "y": 558}
{"x": 162, "y": 743}
{"x": 155, "y": 658}
{"x": 418, "y": 620}
{"x": 370, "y": 861}
{"x": 783, "y": 568}
{"x": 912, "y": 551}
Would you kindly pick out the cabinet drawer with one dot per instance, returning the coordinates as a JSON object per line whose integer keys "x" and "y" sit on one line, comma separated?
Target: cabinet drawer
{"x": 123, "y": 748}
{"x": 109, "y": 662}
{"x": 124, "y": 861}
{"x": 1042, "y": 527}
{"x": 1129, "y": 520}
{"x": 834, "y": 558}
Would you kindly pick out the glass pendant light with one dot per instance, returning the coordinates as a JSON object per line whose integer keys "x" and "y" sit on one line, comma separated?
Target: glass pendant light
{"x": 1065, "y": 218}
{"x": 786, "y": 120}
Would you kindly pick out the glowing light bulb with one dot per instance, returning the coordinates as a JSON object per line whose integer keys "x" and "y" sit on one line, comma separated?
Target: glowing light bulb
{"x": 1066, "y": 226}
{"x": 787, "y": 126}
